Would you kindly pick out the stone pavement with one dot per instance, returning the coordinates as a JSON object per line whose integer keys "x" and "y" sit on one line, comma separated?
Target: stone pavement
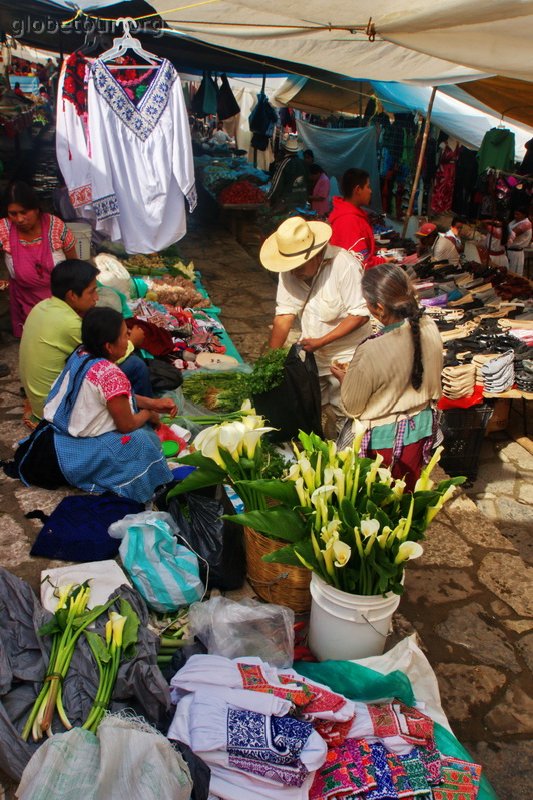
{"x": 468, "y": 598}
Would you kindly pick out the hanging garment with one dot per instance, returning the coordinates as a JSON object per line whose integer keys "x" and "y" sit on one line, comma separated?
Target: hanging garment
{"x": 497, "y": 150}
{"x": 227, "y": 106}
{"x": 204, "y": 102}
{"x": 141, "y": 158}
{"x": 262, "y": 121}
{"x": 465, "y": 181}
{"x": 445, "y": 180}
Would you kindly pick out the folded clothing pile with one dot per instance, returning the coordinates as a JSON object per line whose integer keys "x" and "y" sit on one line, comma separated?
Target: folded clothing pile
{"x": 498, "y": 373}
{"x": 458, "y": 381}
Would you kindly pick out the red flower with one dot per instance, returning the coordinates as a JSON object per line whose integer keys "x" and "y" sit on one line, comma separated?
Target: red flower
{"x": 69, "y": 85}
{"x": 80, "y": 98}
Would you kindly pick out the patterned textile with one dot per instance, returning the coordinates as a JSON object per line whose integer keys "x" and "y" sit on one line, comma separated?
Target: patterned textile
{"x": 59, "y": 236}
{"x": 254, "y": 680}
{"x": 346, "y": 773}
{"x": 397, "y": 719}
{"x": 415, "y": 773}
{"x": 142, "y": 118}
{"x": 334, "y": 733}
{"x": 267, "y": 746}
{"x": 74, "y": 88}
{"x": 460, "y": 780}
{"x": 431, "y": 759}
{"x": 385, "y": 787}
{"x": 109, "y": 379}
{"x": 106, "y": 207}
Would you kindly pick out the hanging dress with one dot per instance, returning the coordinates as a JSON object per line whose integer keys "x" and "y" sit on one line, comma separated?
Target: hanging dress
{"x": 442, "y": 198}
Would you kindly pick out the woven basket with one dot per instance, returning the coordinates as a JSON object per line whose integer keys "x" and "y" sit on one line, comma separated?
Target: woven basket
{"x": 275, "y": 583}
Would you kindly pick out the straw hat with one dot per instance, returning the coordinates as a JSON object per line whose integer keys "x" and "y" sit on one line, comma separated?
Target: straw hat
{"x": 295, "y": 242}
{"x": 291, "y": 145}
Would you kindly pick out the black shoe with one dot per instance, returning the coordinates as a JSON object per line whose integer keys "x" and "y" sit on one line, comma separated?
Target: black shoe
{"x": 4, "y": 371}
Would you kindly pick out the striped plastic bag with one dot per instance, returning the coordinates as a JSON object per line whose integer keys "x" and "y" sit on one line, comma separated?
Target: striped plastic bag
{"x": 164, "y": 572}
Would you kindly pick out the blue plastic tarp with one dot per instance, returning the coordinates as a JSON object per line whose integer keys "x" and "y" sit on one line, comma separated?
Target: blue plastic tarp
{"x": 337, "y": 150}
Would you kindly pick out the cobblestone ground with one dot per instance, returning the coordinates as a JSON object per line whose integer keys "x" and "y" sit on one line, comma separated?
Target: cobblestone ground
{"x": 468, "y": 598}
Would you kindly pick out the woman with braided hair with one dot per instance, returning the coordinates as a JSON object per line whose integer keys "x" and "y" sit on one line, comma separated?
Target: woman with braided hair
{"x": 393, "y": 382}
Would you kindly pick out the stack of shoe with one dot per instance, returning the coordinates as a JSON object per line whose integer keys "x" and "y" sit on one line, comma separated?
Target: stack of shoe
{"x": 524, "y": 376}
{"x": 498, "y": 373}
{"x": 479, "y": 360}
{"x": 458, "y": 381}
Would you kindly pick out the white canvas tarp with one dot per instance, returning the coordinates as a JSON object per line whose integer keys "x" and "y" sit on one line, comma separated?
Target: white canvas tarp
{"x": 422, "y": 42}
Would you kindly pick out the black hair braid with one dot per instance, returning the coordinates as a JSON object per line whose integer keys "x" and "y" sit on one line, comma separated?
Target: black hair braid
{"x": 417, "y": 372}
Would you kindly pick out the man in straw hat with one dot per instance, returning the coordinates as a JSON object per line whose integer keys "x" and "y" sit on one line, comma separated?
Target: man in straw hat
{"x": 289, "y": 185}
{"x": 321, "y": 285}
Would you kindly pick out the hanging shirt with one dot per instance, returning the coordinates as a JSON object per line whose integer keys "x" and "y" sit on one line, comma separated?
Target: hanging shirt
{"x": 519, "y": 234}
{"x": 497, "y": 150}
{"x": 141, "y": 158}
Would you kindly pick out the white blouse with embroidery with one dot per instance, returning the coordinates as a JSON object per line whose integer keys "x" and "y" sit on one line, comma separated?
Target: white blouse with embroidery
{"x": 141, "y": 158}
{"x": 90, "y": 415}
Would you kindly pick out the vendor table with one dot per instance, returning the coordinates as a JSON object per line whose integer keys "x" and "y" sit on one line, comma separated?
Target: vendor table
{"x": 235, "y": 215}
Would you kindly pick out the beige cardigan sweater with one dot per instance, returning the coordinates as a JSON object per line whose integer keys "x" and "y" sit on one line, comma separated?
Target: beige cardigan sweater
{"x": 377, "y": 386}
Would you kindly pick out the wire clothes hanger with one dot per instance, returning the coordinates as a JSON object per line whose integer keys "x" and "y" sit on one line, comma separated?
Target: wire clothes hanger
{"x": 125, "y": 43}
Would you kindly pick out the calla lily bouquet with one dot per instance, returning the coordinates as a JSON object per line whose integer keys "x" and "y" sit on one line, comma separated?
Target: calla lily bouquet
{"x": 231, "y": 452}
{"x": 345, "y": 517}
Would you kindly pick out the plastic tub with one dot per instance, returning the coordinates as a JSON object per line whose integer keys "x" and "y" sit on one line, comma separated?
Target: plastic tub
{"x": 347, "y": 626}
{"x": 82, "y": 233}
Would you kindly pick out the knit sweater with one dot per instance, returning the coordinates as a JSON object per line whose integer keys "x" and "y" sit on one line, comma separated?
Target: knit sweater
{"x": 377, "y": 388}
{"x": 352, "y": 231}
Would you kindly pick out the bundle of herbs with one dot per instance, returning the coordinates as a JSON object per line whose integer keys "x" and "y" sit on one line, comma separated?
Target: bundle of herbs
{"x": 226, "y": 391}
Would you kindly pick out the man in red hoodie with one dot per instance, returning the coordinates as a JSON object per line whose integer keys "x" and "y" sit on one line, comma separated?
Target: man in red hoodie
{"x": 350, "y": 223}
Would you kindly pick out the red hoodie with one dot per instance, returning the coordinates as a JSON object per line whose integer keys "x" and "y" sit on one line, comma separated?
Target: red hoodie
{"x": 352, "y": 231}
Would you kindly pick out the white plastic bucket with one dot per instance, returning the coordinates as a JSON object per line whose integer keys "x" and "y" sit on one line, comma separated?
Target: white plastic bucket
{"x": 82, "y": 233}
{"x": 347, "y": 626}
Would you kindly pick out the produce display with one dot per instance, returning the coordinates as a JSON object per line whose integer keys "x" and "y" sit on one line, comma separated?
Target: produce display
{"x": 70, "y": 620}
{"x": 158, "y": 264}
{"x": 220, "y": 391}
{"x": 178, "y": 291}
{"x": 241, "y": 193}
{"x": 227, "y": 391}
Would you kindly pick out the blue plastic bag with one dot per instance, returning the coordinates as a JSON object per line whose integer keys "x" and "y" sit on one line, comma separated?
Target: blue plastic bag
{"x": 165, "y": 573}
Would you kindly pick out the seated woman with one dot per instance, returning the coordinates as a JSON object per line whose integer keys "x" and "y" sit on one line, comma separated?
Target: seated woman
{"x": 101, "y": 440}
{"x": 394, "y": 378}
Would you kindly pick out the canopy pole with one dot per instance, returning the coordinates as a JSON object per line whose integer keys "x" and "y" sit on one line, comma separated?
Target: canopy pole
{"x": 420, "y": 162}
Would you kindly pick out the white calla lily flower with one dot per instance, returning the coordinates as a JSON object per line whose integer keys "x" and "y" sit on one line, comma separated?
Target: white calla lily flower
{"x": 399, "y": 488}
{"x": 322, "y": 494}
{"x": 251, "y": 439}
{"x": 294, "y": 473}
{"x": 303, "y": 496}
{"x": 358, "y": 429}
{"x": 230, "y": 437}
{"x": 408, "y": 551}
{"x": 369, "y": 527}
{"x": 385, "y": 475}
{"x": 341, "y": 553}
{"x": 209, "y": 445}
{"x": 246, "y": 406}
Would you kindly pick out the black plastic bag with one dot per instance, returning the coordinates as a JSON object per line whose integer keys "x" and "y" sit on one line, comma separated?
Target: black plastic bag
{"x": 227, "y": 106}
{"x": 164, "y": 377}
{"x": 218, "y": 542}
{"x": 295, "y": 404}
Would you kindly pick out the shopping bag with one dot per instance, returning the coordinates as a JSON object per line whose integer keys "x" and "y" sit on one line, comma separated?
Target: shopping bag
{"x": 165, "y": 573}
{"x": 295, "y": 404}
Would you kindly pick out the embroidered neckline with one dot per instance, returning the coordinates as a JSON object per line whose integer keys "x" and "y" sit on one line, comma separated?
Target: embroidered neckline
{"x": 141, "y": 119}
